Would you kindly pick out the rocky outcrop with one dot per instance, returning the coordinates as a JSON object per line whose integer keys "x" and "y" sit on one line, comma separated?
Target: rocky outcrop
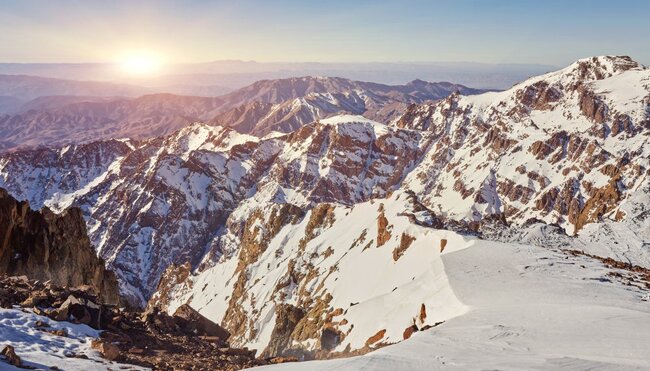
{"x": 404, "y": 243}
{"x": 174, "y": 275}
{"x": 10, "y": 356}
{"x": 50, "y": 247}
{"x": 604, "y": 200}
{"x": 383, "y": 228}
{"x": 258, "y": 231}
{"x": 191, "y": 320}
{"x": 287, "y": 317}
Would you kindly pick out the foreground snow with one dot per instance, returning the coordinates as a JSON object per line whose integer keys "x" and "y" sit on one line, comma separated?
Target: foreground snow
{"x": 42, "y": 350}
{"x": 530, "y": 308}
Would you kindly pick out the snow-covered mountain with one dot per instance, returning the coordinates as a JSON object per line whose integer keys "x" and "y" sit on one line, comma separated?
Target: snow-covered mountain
{"x": 163, "y": 201}
{"x": 567, "y": 147}
{"x": 528, "y": 307}
{"x": 332, "y": 238}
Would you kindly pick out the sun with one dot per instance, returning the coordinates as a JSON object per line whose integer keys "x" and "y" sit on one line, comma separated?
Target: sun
{"x": 141, "y": 64}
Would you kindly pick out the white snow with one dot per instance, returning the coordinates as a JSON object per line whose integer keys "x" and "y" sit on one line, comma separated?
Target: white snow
{"x": 530, "y": 308}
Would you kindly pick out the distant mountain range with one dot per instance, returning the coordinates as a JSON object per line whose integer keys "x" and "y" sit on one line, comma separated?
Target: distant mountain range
{"x": 265, "y": 106}
{"x": 234, "y": 74}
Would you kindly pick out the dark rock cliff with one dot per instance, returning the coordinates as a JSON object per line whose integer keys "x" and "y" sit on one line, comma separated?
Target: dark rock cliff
{"x": 47, "y": 246}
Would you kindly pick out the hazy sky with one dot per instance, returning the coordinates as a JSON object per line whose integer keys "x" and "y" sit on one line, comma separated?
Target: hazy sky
{"x": 540, "y": 31}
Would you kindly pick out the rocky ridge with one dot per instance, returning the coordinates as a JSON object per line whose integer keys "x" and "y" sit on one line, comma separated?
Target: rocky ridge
{"x": 287, "y": 104}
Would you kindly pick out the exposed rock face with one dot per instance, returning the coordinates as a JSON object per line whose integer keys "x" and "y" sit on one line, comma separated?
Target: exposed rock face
{"x": 286, "y": 318}
{"x": 46, "y": 246}
{"x": 404, "y": 243}
{"x": 308, "y": 264}
{"x": 604, "y": 200}
{"x": 374, "y": 339}
{"x": 174, "y": 275}
{"x": 383, "y": 229}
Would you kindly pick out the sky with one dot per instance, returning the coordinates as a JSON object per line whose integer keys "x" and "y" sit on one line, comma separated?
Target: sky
{"x": 490, "y": 31}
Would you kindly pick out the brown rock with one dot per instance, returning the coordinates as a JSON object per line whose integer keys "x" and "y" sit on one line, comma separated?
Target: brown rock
{"x": 211, "y": 339}
{"x": 443, "y": 243}
{"x": 108, "y": 350}
{"x": 592, "y": 106}
{"x": 409, "y": 331}
{"x": 405, "y": 242}
{"x": 80, "y": 310}
{"x": 604, "y": 200}
{"x": 277, "y": 360}
{"x": 34, "y": 300}
{"x": 136, "y": 350}
{"x": 60, "y": 332}
{"x": 376, "y": 337}
{"x": 11, "y": 357}
{"x": 383, "y": 229}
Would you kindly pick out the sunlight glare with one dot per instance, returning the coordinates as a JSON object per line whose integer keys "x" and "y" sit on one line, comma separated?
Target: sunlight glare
{"x": 141, "y": 64}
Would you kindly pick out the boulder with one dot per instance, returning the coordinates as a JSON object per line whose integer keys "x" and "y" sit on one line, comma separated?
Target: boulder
{"x": 11, "y": 357}
{"x": 159, "y": 321}
{"x": 277, "y": 360}
{"x": 190, "y": 320}
{"x": 409, "y": 331}
{"x": 80, "y": 310}
{"x": 107, "y": 349}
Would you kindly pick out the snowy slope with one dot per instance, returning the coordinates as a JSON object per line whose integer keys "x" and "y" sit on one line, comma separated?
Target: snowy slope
{"x": 529, "y": 308}
{"x": 370, "y": 285}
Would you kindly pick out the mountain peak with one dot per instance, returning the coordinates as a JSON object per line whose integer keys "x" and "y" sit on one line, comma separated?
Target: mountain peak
{"x": 417, "y": 82}
{"x": 601, "y": 67}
